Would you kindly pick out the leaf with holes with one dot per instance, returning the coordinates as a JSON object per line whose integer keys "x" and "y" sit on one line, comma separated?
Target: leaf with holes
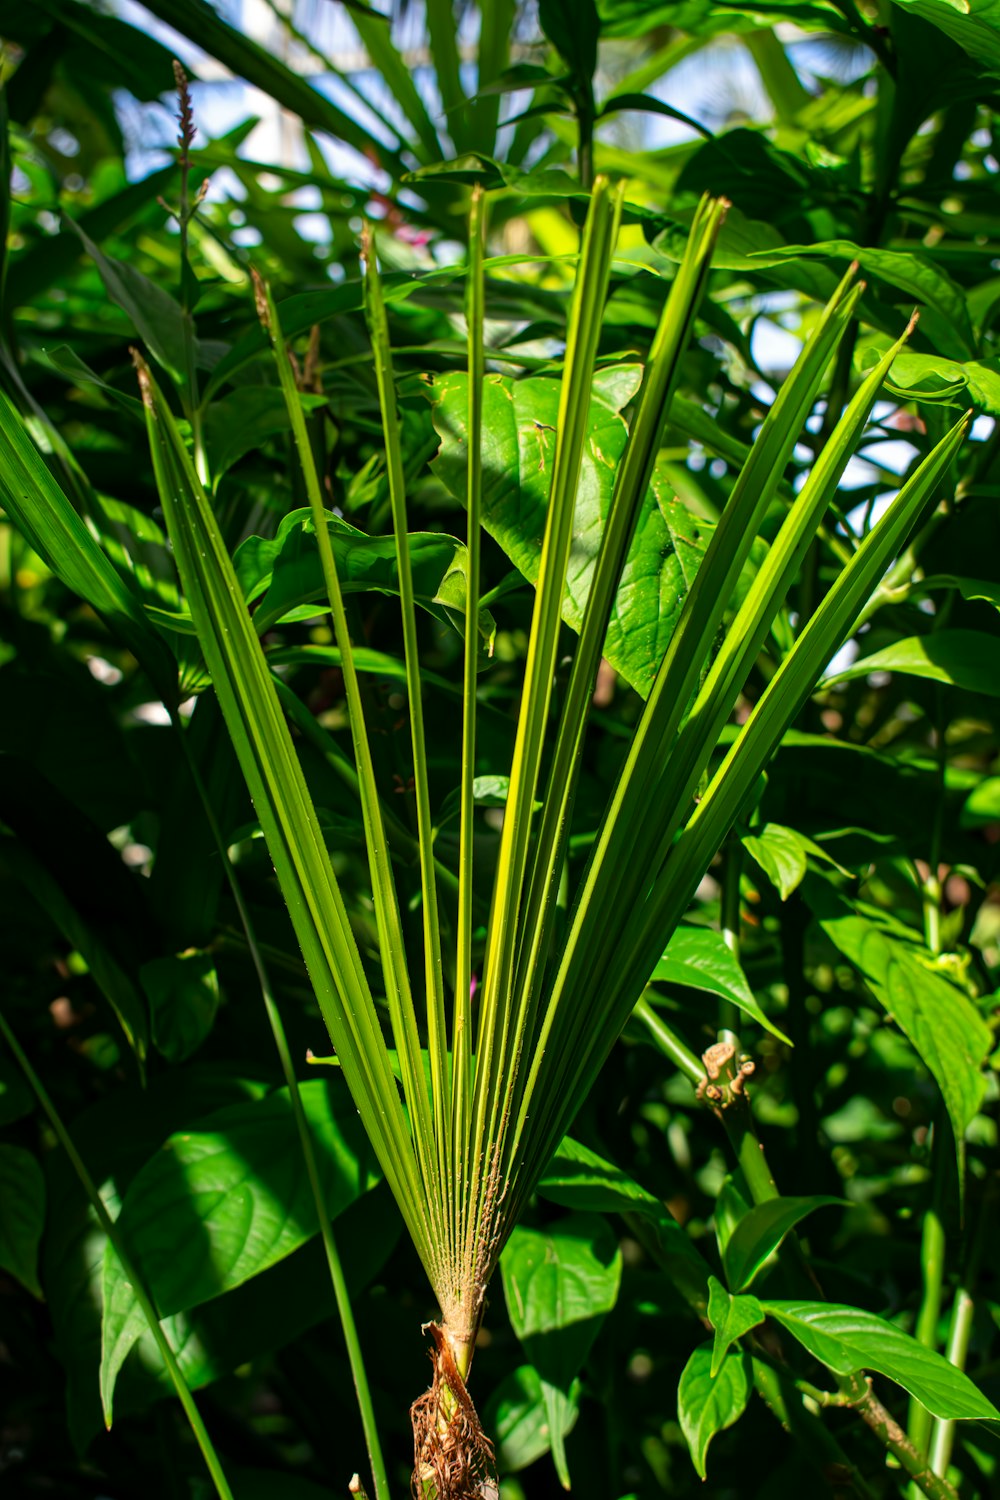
{"x": 519, "y": 421}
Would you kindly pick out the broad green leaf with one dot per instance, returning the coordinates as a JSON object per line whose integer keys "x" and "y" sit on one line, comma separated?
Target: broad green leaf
{"x": 263, "y": 1315}
{"x": 242, "y": 421}
{"x": 183, "y": 994}
{"x": 973, "y": 24}
{"x": 982, "y": 804}
{"x": 581, "y": 1180}
{"x": 928, "y": 377}
{"x": 969, "y": 588}
{"x": 560, "y": 1284}
{"x": 911, "y": 273}
{"x": 761, "y": 1231}
{"x": 22, "y": 1217}
{"x": 519, "y": 422}
{"x": 967, "y": 659}
{"x": 162, "y": 324}
{"x": 699, "y": 958}
{"x": 708, "y": 1404}
{"x": 782, "y": 854}
{"x": 219, "y": 1205}
{"x": 939, "y": 1019}
{"x": 846, "y": 1340}
{"x": 517, "y": 1419}
{"x": 731, "y": 1317}
{"x": 41, "y": 511}
{"x": 286, "y": 576}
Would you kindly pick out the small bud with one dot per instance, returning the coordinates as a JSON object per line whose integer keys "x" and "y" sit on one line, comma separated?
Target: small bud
{"x": 260, "y": 298}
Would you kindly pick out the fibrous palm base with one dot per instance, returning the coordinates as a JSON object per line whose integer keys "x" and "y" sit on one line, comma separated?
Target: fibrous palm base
{"x": 452, "y": 1456}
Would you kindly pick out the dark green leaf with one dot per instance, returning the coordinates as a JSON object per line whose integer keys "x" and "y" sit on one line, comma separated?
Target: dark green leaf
{"x": 940, "y": 1021}
{"x": 973, "y": 24}
{"x": 183, "y": 995}
{"x": 220, "y": 1205}
{"x": 581, "y": 1180}
{"x": 560, "y": 1284}
{"x": 761, "y": 1231}
{"x": 160, "y": 321}
{"x": 22, "y": 1193}
{"x": 572, "y": 26}
{"x": 517, "y": 1417}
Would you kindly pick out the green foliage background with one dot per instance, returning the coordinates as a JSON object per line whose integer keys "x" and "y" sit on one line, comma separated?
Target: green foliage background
{"x": 848, "y": 929}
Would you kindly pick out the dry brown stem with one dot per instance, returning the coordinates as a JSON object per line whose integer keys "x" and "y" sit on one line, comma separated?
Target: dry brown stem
{"x": 452, "y": 1456}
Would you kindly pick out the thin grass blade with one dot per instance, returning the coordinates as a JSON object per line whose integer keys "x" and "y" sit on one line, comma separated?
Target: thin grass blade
{"x": 277, "y": 786}
{"x": 392, "y": 946}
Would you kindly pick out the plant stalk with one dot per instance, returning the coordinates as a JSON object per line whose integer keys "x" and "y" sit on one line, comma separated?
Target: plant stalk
{"x": 141, "y": 1295}
{"x": 341, "y": 1294}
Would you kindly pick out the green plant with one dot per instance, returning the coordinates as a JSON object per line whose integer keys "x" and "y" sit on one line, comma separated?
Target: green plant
{"x": 474, "y": 983}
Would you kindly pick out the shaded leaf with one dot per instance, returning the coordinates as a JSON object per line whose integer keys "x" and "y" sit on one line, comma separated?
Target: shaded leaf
{"x": 973, "y": 24}
{"x": 160, "y": 321}
{"x": 580, "y": 1179}
{"x": 284, "y": 573}
{"x": 560, "y": 1284}
{"x": 221, "y": 1204}
{"x": 761, "y": 1231}
{"x": 183, "y": 994}
{"x": 940, "y": 1020}
{"x": 572, "y": 26}
{"x": 22, "y": 1194}
{"x": 517, "y": 1417}
{"x": 911, "y": 273}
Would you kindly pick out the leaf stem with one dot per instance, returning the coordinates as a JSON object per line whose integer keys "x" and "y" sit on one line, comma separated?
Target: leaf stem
{"x": 960, "y": 1330}
{"x": 732, "y": 869}
{"x": 932, "y": 1257}
{"x": 670, "y": 1044}
{"x": 893, "y": 1438}
{"x": 111, "y": 1230}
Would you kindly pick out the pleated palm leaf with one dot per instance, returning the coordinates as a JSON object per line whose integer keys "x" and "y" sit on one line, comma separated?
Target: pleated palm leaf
{"x": 465, "y": 1100}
